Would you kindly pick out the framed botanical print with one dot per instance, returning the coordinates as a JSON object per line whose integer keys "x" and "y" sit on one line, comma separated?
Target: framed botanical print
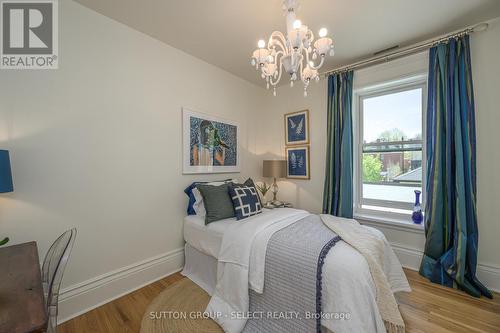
{"x": 298, "y": 166}
{"x": 297, "y": 128}
{"x": 210, "y": 144}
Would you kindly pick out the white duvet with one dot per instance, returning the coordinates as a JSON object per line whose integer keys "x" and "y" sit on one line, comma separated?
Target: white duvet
{"x": 348, "y": 288}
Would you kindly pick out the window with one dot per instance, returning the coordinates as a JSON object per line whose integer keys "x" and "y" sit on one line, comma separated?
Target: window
{"x": 390, "y": 147}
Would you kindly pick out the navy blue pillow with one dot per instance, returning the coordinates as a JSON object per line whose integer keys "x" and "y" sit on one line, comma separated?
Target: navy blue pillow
{"x": 192, "y": 199}
{"x": 246, "y": 201}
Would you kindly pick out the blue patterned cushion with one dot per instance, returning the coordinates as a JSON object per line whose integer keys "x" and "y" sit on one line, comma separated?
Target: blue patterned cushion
{"x": 245, "y": 201}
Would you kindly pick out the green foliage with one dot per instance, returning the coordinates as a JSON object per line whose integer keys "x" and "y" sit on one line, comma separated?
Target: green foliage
{"x": 394, "y": 134}
{"x": 372, "y": 166}
{"x": 264, "y": 188}
{"x": 4, "y": 241}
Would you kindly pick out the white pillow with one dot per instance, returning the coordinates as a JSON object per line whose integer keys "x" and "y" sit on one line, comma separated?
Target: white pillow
{"x": 199, "y": 206}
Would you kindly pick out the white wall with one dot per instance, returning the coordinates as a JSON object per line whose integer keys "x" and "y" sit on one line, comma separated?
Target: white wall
{"x": 486, "y": 70}
{"x": 306, "y": 194}
{"x": 96, "y": 145}
{"x": 408, "y": 244}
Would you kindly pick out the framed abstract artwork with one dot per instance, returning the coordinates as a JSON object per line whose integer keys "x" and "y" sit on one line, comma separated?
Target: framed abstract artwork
{"x": 297, "y": 128}
{"x": 210, "y": 144}
{"x": 298, "y": 166}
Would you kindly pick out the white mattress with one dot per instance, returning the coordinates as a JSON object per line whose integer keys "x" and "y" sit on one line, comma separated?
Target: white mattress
{"x": 208, "y": 238}
{"x": 205, "y": 238}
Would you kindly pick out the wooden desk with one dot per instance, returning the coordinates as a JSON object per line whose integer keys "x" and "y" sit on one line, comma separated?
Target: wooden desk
{"x": 22, "y": 305}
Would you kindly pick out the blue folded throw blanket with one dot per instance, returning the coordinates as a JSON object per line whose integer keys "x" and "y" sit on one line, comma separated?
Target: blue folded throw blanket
{"x": 292, "y": 279}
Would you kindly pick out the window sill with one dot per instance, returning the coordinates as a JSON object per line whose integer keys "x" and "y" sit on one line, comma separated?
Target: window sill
{"x": 390, "y": 222}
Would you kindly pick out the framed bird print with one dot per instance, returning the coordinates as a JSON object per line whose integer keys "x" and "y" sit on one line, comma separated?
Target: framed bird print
{"x": 210, "y": 144}
{"x": 297, "y": 162}
{"x": 297, "y": 128}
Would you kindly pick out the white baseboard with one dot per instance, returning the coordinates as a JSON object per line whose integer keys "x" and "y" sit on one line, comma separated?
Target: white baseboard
{"x": 410, "y": 258}
{"x": 489, "y": 276}
{"x": 87, "y": 295}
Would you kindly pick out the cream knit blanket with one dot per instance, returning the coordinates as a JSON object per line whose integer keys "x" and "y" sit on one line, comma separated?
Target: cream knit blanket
{"x": 371, "y": 245}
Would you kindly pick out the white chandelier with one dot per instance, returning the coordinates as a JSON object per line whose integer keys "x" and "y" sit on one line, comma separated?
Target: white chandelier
{"x": 295, "y": 54}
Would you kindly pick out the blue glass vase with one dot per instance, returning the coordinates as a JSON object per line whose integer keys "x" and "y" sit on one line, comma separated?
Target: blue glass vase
{"x": 417, "y": 215}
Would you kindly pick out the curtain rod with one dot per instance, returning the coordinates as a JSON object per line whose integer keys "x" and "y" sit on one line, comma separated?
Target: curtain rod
{"x": 407, "y": 51}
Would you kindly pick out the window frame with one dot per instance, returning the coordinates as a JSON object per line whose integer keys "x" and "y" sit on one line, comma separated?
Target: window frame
{"x": 385, "y": 88}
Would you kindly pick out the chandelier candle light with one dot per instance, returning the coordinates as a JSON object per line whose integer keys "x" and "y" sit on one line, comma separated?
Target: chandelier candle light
{"x": 295, "y": 53}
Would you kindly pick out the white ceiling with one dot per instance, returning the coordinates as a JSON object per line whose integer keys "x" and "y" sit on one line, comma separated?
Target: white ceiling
{"x": 225, "y": 32}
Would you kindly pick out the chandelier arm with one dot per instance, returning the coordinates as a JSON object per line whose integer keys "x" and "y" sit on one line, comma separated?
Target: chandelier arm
{"x": 307, "y": 56}
{"x": 280, "y": 71}
{"x": 279, "y": 45}
{"x": 274, "y": 83}
{"x": 278, "y": 34}
{"x": 320, "y": 63}
{"x": 275, "y": 62}
{"x": 301, "y": 68}
{"x": 311, "y": 38}
{"x": 280, "y": 54}
{"x": 279, "y": 38}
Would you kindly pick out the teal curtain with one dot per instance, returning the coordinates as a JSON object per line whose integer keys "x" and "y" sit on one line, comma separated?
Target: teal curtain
{"x": 450, "y": 255}
{"x": 337, "y": 194}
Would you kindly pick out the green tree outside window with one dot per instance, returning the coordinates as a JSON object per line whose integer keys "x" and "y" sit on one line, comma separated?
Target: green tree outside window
{"x": 372, "y": 167}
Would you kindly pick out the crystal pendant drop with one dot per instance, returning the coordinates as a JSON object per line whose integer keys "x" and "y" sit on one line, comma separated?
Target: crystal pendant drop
{"x": 291, "y": 84}
{"x": 274, "y": 91}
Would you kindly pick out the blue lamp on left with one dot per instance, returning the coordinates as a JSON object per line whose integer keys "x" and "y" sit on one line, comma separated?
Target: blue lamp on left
{"x": 5, "y": 173}
{"x": 5, "y": 179}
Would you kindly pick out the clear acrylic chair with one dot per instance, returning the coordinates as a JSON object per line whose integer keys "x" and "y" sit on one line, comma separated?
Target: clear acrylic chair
{"x": 52, "y": 273}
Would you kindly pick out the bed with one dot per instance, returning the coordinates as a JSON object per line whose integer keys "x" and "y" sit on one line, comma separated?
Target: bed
{"x": 347, "y": 285}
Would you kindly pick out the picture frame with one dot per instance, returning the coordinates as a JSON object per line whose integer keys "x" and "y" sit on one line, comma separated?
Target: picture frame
{"x": 298, "y": 162}
{"x": 210, "y": 144}
{"x": 297, "y": 128}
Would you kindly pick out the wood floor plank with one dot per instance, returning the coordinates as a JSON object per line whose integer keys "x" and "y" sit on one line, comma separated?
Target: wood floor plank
{"x": 429, "y": 308}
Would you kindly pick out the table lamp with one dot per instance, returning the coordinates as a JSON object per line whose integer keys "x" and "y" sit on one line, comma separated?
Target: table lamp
{"x": 274, "y": 169}
{"x": 5, "y": 179}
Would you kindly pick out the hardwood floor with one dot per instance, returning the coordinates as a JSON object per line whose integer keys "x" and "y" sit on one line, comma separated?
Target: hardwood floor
{"x": 428, "y": 308}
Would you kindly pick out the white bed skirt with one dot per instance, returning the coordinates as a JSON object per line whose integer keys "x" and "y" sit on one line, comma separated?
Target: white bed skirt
{"x": 200, "y": 268}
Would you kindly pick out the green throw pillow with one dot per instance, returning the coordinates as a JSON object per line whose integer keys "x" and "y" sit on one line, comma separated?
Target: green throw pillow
{"x": 217, "y": 202}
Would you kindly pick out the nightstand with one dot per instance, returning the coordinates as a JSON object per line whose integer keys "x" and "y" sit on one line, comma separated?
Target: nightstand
{"x": 269, "y": 205}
